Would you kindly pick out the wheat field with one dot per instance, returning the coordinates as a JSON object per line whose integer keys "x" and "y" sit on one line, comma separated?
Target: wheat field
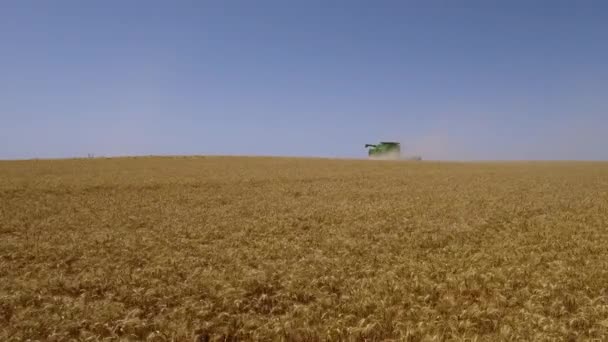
{"x": 295, "y": 249}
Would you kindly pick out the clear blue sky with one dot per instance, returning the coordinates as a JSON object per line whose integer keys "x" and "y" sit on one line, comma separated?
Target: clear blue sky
{"x": 449, "y": 79}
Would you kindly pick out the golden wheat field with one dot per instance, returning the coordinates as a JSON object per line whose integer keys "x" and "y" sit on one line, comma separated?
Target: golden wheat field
{"x": 288, "y": 249}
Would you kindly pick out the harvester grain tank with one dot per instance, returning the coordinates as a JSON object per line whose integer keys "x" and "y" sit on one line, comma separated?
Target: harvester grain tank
{"x": 384, "y": 150}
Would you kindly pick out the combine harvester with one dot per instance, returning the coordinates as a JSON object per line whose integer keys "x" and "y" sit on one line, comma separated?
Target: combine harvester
{"x": 387, "y": 150}
{"x": 384, "y": 150}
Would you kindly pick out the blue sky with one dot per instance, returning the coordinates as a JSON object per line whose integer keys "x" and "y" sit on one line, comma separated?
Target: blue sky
{"x": 464, "y": 80}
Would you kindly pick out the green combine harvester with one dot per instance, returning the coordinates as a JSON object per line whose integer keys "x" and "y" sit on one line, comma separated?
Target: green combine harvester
{"x": 384, "y": 150}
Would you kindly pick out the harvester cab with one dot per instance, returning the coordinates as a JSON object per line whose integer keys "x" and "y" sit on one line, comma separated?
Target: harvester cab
{"x": 384, "y": 150}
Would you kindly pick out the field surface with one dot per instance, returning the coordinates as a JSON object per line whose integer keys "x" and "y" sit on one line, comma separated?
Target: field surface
{"x": 230, "y": 248}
